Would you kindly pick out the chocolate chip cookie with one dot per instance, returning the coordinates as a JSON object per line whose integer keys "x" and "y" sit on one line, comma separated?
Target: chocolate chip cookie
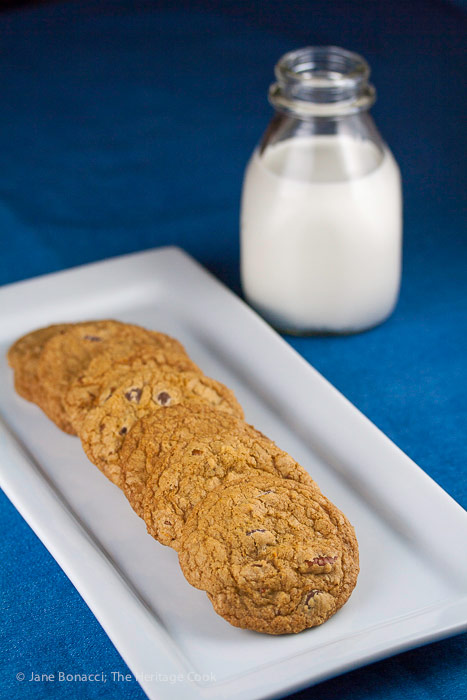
{"x": 196, "y": 451}
{"x": 273, "y": 555}
{"x": 66, "y": 355}
{"x": 105, "y": 427}
{"x": 97, "y": 382}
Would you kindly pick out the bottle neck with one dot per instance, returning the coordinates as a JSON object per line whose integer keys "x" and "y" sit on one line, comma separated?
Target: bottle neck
{"x": 323, "y": 81}
{"x": 357, "y": 126}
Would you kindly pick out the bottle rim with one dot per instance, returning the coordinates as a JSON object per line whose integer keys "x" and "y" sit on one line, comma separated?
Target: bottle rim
{"x": 322, "y": 80}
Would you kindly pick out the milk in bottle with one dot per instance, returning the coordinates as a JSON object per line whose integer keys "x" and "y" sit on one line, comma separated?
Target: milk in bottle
{"x": 321, "y": 221}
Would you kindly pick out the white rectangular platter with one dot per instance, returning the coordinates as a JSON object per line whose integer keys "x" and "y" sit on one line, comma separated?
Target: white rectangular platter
{"x": 410, "y": 590}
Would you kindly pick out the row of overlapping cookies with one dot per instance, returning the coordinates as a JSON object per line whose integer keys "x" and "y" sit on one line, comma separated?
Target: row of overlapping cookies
{"x": 250, "y": 526}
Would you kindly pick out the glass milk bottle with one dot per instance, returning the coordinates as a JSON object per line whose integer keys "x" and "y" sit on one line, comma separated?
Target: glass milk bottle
{"x": 321, "y": 220}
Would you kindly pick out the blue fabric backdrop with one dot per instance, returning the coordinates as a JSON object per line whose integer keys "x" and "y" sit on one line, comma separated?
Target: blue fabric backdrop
{"x": 127, "y": 125}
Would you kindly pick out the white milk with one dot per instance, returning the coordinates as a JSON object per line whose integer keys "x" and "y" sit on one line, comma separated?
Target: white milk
{"x": 321, "y": 234}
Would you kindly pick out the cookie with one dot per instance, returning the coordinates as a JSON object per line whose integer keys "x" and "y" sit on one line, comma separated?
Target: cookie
{"x": 23, "y": 357}
{"x": 97, "y": 382}
{"x": 199, "y": 452}
{"x": 66, "y": 355}
{"x": 154, "y": 437}
{"x": 274, "y": 556}
{"x": 105, "y": 427}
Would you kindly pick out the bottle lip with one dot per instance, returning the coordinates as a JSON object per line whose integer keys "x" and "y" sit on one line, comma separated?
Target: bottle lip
{"x": 321, "y": 80}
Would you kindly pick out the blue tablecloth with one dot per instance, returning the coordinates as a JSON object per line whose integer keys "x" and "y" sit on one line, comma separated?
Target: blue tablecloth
{"x": 127, "y": 125}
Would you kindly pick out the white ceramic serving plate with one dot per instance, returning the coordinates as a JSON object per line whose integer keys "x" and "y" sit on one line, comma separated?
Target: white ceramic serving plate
{"x": 410, "y": 590}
